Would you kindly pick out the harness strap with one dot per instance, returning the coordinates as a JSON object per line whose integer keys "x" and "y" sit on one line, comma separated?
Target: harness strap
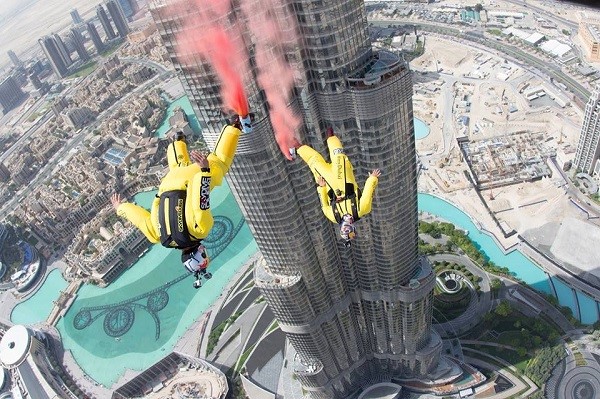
{"x": 171, "y": 221}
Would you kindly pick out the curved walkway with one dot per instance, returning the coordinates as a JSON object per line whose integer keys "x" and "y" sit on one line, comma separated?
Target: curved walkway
{"x": 478, "y": 306}
{"x": 518, "y": 385}
{"x": 521, "y": 382}
{"x": 536, "y": 299}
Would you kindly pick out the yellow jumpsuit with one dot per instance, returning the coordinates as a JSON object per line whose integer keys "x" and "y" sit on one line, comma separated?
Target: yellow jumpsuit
{"x": 187, "y": 175}
{"x": 338, "y": 175}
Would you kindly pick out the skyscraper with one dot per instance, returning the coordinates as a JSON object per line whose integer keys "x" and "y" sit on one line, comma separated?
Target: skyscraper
{"x": 93, "y": 32}
{"x": 588, "y": 148}
{"x": 118, "y": 18}
{"x": 105, "y": 21}
{"x": 358, "y": 315}
{"x": 14, "y": 59}
{"x": 79, "y": 44}
{"x": 129, "y": 7}
{"x": 54, "y": 55}
{"x": 76, "y": 17}
{"x": 11, "y": 94}
{"x": 62, "y": 48}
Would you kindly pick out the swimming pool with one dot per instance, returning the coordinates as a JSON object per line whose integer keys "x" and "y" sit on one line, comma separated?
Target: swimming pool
{"x": 515, "y": 261}
{"x": 421, "y": 129}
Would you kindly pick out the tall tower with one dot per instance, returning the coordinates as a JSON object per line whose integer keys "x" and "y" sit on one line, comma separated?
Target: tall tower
{"x": 105, "y": 21}
{"x": 358, "y": 315}
{"x": 76, "y": 17}
{"x": 118, "y": 17}
{"x": 55, "y": 57}
{"x": 588, "y": 148}
{"x": 15, "y": 60}
{"x": 79, "y": 44}
{"x": 93, "y": 32}
{"x": 129, "y": 8}
{"x": 11, "y": 94}
{"x": 62, "y": 48}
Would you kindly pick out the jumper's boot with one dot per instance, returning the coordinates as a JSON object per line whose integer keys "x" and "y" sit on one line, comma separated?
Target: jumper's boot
{"x": 205, "y": 274}
{"x": 293, "y": 154}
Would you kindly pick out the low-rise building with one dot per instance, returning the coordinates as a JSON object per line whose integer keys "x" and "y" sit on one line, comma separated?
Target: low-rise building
{"x": 589, "y": 34}
{"x": 78, "y": 117}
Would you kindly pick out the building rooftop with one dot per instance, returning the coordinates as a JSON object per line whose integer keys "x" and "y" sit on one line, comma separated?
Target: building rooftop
{"x": 384, "y": 390}
{"x": 555, "y": 47}
{"x": 576, "y": 243}
{"x": 382, "y": 63}
{"x": 14, "y": 346}
{"x": 594, "y": 32}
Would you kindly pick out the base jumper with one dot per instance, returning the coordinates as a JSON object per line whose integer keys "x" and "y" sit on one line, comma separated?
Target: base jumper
{"x": 341, "y": 199}
{"x": 180, "y": 216}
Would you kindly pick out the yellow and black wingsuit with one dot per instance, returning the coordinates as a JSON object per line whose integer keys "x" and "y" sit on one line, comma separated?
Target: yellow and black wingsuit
{"x": 340, "y": 196}
{"x": 189, "y": 186}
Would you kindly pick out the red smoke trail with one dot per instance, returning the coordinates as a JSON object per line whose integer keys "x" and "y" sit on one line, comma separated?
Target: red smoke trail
{"x": 276, "y": 79}
{"x": 206, "y": 33}
{"x": 275, "y": 75}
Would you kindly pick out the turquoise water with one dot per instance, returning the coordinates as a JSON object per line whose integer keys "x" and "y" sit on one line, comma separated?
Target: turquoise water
{"x": 565, "y": 295}
{"x": 421, "y": 129}
{"x": 184, "y": 103}
{"x": 139, "y": 318}
{"x": 38, "y": 307}
{"x": 515, "y": 261}
{"x": 589, "y": 312}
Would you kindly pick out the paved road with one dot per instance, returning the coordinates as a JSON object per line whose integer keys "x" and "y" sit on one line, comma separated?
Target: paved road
{"x": 47, "y": 169}
{"x": 547, "y": 14}
{"x": 520, "y": 57}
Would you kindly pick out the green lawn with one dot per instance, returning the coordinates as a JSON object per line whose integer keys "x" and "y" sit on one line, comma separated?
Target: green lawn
{"x": 108, "y": 52}
{"x": 84, "y": 70}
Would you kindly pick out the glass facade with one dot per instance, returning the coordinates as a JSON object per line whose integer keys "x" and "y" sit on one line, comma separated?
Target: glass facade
{"x": 355, "y": 316}
{"x": 588, "y": 148}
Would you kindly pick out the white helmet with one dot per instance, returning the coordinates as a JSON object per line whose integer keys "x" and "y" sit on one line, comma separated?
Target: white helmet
{"x": 196, "y": 260}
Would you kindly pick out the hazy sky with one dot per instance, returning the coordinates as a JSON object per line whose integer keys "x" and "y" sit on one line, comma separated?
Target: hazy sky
{"x": 23, "y": 22}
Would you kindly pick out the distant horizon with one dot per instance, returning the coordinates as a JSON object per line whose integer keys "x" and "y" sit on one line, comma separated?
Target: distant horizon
{"x": 23, "y": 22}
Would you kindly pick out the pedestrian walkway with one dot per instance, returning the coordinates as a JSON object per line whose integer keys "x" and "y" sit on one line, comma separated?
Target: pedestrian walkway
{"x": 520, "y": 381}
{"x": 479, "y": 305}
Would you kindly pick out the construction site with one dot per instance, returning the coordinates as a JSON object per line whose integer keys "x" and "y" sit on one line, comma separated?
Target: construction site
{"x": 510, "y": 159}
{"x": 494, "y": 129}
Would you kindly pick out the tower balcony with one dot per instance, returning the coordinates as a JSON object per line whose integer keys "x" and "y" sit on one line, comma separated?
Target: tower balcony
{"x": 381, "y": 66}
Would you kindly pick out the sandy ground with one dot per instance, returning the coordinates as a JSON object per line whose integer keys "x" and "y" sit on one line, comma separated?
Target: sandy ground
{"x": 524, "y": 206}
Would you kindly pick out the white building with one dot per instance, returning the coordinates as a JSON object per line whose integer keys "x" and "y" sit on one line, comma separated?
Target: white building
{"x": 23, "y": 353}
{"x": 588, "y": 148}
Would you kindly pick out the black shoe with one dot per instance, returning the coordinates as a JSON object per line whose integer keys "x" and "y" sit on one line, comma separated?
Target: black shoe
{"x": 207, "y": 275}
{"x": 197, "y": 284}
